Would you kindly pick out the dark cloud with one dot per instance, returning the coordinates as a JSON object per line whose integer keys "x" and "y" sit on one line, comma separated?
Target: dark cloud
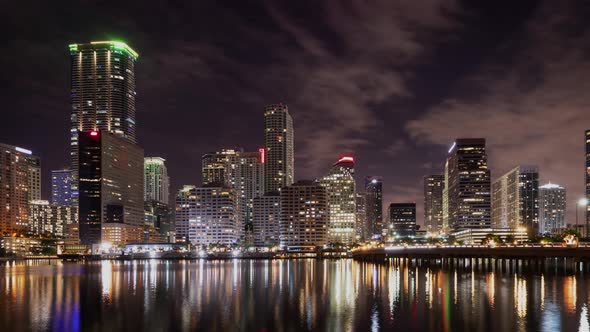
{"x": 390, "y": 81}
{"x": 533, "y": 110}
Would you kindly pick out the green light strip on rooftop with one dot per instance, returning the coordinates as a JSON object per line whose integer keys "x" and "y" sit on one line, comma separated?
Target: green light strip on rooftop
{"x": 119, "y": 46}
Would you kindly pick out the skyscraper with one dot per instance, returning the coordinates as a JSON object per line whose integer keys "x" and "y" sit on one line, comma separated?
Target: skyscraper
{"x": 445, "y": 201}
{"x": 20, "y": 183}
{"x": 515, "y": 199}
{"x": 374, "y": 205}
{"x": 402, "y": 219}
{"x": 246, "y": 177}
{"x": 241, "y": 171}
{"x": 341, "y": 189}
{"x": 61, "y": 187}
{"x": 279, "y": 142}
{"x": 207, "y": 215}
{"x": 266, "y": 221}
{"x": 184, "y": 217}
{"x": 156, "y": 183}
{"x": 361, "y": 217}
{"x": 588, "y": 178}
{"x": 111, "y": 207}
{"x": 215, "y": 167}
{"x": 552, "y": 205}
{"x": 102, "y": 93}
{"x": 468, "y": 184}
{"x": 433, "y": 203}
{"x": 304, "y": 216}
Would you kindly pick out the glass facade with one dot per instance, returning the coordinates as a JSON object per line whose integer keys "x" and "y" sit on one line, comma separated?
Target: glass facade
{"x": 468, "y": 187}
{"x": 374, "y": 205}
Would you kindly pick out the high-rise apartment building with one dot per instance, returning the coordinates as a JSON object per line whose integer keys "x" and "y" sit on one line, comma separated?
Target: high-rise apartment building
{"x": 246, "y": 178}
{"x": 552, "y": 208}
{"x": 402, "y": 220}
{"x": 34, "y": 170}
{"x": 515, "y": 199}
{"x": 184, "y": 213}
{"x": 61, "y": 187}
{"x": 20, "y": 183}
{"x": 279, "y": 142}
{"x": 207, "y": 215}
{"x": 433, "y": 203}
{"x": 156, "y": 183}
{"x": 102, "y": 93}
{"x": 468, "y": 185}
{"x": 304, "y": 216}
{"x": 374, "y": 205}
{"x": 111, "y": 206}
{"x": 50, "y": 220}
{"x": 341, "y": 189}
{"x": 266, "y": 221}
{"x": 241, "y": 171}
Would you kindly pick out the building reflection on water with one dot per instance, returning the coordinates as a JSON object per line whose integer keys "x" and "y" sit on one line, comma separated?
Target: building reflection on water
{"x": 284, "y": 295}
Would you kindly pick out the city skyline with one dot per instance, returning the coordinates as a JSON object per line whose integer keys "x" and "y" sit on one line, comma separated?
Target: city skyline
{"x": 343, "y": 165}
{"x": 377, "y": 153}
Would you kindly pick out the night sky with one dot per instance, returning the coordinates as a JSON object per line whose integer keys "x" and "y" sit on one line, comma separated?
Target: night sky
{"x": 392, "y": 83}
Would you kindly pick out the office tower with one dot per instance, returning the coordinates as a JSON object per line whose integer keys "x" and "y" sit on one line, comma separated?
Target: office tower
{"x": 20, "y": 182}
{"x": 433, "y": 203}
{"x": 111, "y": 189}
{"x": 102, "y": 93}
{"x": 61, "y": 187}
{"x": 341, "y": 189}
{"x": 50, "y": 220}
{"x": 374, "y": 205}
{"x": 266, "y": 221}
{"x": 361, "y": 217}
{"x": 159, "y": 222}
{"x": 278, "y": 140}
{"x": 184, "y": 213}
{"x": 207, "y": 215}
{"x": 515, "y": 199}
{"x": 469, "y": 185}
{"x": 552, "y": 207}
{"x": 304, "y": 216}
{"x": 587, "y": 178}
{"x": 156, "y": 183}
{"x": 402, "y": 220}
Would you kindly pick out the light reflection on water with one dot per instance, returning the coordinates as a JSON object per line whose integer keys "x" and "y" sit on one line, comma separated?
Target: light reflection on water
{"x": 285, "y": 295}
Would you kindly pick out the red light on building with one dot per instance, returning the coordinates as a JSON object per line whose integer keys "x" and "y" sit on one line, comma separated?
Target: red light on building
{"x": 262, "y": 152}
{"x": 94, "y": 133}
{"x": 346, "y": 159}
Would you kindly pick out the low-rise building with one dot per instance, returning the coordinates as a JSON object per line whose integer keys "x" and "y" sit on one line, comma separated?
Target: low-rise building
{"x": 478, "y": 235}
{"x": 50, "y": 220}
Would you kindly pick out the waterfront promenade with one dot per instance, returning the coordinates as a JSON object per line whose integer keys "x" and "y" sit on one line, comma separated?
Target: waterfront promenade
{"x": 533, "y": 257}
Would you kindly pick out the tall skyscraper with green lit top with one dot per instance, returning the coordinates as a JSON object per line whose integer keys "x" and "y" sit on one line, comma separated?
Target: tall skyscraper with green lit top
{"x": 102, "y": 93}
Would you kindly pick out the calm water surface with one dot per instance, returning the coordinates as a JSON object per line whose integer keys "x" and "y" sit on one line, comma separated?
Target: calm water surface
{"x": 284, "y": 295}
